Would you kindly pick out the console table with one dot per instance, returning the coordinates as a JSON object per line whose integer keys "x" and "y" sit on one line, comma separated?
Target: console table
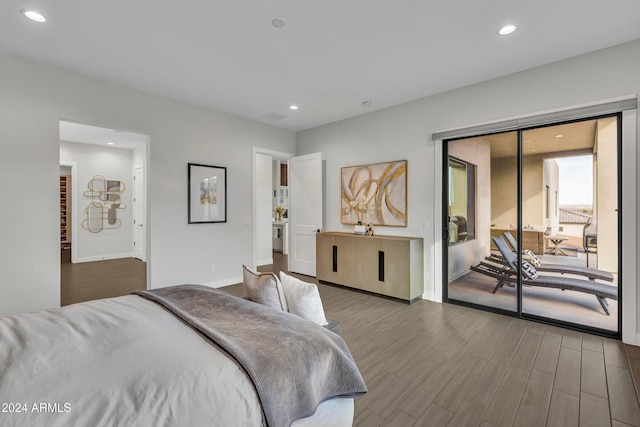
{"x": 386, "y": 265}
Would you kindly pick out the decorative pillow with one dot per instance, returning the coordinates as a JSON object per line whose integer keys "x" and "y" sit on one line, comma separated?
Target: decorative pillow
{"x": 303, "y": 299}
{"x": 532, "y": 257}
{"x": 529, "y": 270}
{"x": 264, "y": 288}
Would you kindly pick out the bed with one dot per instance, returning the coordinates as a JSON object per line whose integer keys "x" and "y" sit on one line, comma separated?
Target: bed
{"x": 131, "y": 361}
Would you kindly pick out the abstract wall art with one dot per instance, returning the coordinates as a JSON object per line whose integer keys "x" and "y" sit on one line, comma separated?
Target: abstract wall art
{"x": 374, "y": 194}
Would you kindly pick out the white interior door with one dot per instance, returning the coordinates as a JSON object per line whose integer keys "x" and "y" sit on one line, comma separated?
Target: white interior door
{"x": 138, "y": 214}
{"x": 305, "y": 211}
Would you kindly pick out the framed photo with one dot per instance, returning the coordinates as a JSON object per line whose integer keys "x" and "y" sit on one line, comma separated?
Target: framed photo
{"x": 374, "y": 194}
{"x": 207, "y": 194}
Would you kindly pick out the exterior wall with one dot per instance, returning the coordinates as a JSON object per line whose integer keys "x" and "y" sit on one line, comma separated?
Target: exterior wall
{"x": 606, "y": 212}
{"x": 471, "y": 252}
{"x": 504, "y": 190}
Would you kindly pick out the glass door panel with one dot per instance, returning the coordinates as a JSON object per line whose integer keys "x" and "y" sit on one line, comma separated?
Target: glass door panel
{"x": 481, "y": 202}
{"x": 570, "y": 209}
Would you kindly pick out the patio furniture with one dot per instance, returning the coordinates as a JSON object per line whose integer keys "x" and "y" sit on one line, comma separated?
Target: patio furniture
{"x": 532, "y": 238}
{"x": 590, "y": 273}
{"x": 507, "y": 273}
{"x": 555, "y": 241}
{"x": 590, "y": 237}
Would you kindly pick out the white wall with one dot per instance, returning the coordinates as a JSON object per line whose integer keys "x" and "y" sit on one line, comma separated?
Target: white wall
{"x": 34, "y": 97}
{"x": 112, "y": 164}
{"x": 404, "y": 131}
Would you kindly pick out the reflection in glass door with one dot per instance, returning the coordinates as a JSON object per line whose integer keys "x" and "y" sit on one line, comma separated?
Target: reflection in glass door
{"x": 534, "y": 231}
{"x": 481, "y": 201}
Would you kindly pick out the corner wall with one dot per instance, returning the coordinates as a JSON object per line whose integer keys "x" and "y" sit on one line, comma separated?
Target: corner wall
{"x": 404, "y": 131}
{"x": 34, "y": 97}
{"x": 112, "y": 164}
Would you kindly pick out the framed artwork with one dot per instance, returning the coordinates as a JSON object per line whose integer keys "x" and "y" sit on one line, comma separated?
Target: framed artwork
{"x": 207, "y": 194}
{"x": 374, "y": 194}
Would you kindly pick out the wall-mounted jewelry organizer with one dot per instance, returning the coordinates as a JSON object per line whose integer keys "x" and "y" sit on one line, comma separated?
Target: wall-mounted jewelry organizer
{"x": 106, "y": 199}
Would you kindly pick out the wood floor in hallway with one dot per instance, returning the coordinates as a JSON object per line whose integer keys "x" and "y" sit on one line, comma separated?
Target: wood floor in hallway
{"x": 100, "y": 279}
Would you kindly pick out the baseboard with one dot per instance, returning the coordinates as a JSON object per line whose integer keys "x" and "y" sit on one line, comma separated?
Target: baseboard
{"x": 431, "y": 296}
{"x": 266, "y": 261}
{"x": 224, "y": 282}
{"x": 102, "y": 257}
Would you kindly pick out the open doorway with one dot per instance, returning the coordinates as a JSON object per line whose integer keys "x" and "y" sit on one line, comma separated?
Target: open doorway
{"x": 103, "y": 235}
{"x": 271, "y": 195}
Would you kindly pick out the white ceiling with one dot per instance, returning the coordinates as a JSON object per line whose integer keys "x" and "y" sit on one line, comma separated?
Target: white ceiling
{"x": 85, "y": 134}
{"x": 330, "y": 57}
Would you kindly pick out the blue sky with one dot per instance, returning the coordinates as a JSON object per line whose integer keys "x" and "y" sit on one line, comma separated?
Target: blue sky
{"x": 576, "y": 180}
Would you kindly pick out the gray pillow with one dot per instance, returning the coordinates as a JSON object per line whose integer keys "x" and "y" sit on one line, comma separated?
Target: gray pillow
{"x": 264, "y": 288}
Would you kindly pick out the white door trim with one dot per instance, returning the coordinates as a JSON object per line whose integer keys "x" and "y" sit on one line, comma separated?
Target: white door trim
{"x": 144, "y": 213}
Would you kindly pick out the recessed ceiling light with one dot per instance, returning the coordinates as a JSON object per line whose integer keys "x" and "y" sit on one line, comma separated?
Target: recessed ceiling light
{"x": 33, "y": 15}
{"x": 367, "y": 103}
{"x": 507, "y": 29}
{"x": 111, "y": 143}
{"x": 559, "y": 135}
{"x": 278, "y": 23}
{"x": 293, "y": 107}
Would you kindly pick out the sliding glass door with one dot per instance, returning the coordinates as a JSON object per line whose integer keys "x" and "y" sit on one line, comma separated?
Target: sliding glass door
{"x": 481, "y": 197}
{"x": 531, "y": 223}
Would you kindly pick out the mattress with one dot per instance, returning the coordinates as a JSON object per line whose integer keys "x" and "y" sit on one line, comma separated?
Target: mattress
{"x": 126, "y": 361}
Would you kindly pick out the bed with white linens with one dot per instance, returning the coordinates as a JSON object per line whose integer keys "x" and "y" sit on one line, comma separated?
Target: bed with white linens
{"x": 130, "y": 361}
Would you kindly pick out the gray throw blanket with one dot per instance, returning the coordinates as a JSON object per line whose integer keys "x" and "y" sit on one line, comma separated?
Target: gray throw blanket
{"x": 294, "y": 364}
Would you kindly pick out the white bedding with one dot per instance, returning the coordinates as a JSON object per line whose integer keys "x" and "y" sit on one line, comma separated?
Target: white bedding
{"x": 125, "y": 361}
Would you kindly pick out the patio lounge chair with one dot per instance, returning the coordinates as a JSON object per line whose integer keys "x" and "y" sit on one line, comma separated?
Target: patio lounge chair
{"x": 507, "y": 273}
{"x": 590, "y": 273}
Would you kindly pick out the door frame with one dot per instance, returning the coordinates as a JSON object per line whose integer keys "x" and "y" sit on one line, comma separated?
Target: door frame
{"x": 628, "y": 330}
{"x": 144, "y": 212}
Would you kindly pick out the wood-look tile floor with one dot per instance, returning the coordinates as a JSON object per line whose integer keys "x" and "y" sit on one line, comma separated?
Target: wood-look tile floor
{"x": 100, "y": 279}
{"x": 431, "y": 364}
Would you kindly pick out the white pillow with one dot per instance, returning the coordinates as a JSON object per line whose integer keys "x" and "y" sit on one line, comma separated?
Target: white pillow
{"x": 303, "y": 299}
{"x": 264, "y": 288}
{"x": 528, "y": 270}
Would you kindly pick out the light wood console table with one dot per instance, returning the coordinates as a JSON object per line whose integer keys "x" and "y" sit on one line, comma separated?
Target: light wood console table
{"x": 385, "y": 265}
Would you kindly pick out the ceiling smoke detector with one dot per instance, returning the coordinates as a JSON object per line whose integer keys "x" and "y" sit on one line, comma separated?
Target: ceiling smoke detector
{"x": 367, "y": 103}
{"x": 278, "y": 23}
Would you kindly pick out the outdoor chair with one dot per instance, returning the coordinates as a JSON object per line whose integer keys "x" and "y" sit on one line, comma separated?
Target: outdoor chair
{"x": 507, "y": 273}
{"x": 590, "y": 273}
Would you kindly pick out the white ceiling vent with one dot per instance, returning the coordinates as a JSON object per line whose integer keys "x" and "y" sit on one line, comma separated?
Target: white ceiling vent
{"x": 274, "y": 116}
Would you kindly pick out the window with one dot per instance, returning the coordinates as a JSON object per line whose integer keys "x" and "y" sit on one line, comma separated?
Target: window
{"x": 462, "y": 201}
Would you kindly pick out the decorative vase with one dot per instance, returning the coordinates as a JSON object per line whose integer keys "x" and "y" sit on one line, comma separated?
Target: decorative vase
{"x": 360, "y": 230}
{"x": 369, "y": 229}
{"x": 278, "y": 216}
